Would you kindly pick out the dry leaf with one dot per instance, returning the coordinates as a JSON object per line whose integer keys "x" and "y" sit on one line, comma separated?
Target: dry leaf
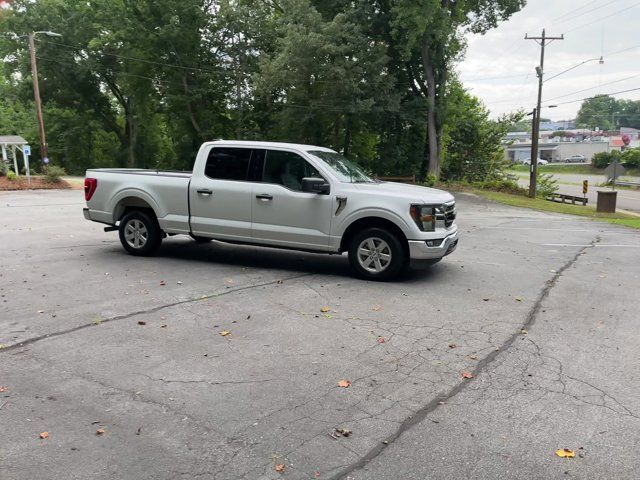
{"x": 224, "y": 333}
{"x": 376, "y": 308}
{"x": 100, "y": 431}
{"x": 452, "y": 345}
{"x": 325, "y": 309}
{"x": 3, "y": 389}
{"x": 141, "y": 322}
{"x": 518, "y": 299}
{"x": 381, "y": 339}
{"x": 162, "y": 283}
{"x": 344, "y": 383}
{"x": 467, "y": 375}
{"x": 565, "y": 453}
{"x": 280, "y": 467}
{"x": 473, "y": 357}
{"x": 44, "y": 435}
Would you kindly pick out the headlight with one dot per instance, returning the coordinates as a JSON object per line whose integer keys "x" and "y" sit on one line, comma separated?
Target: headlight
{"x": 424, "y": 216}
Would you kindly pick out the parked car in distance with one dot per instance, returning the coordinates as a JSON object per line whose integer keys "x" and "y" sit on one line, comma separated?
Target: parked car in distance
{"x": 575, "y": 159}
{"x": 527, "y": 161}
{"x": 283, "y": 195}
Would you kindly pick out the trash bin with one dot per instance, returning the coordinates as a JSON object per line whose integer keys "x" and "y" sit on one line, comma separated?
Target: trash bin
{"x": 607, "y": 201}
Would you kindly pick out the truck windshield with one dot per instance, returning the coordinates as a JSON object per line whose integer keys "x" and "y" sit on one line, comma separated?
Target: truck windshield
{"x": 343, "y": 168}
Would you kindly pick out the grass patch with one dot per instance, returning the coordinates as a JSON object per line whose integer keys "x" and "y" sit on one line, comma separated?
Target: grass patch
{"x": 547, "y": 206}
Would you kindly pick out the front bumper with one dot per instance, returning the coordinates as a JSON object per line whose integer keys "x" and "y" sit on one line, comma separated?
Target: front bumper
{"x": 419, "y": 250}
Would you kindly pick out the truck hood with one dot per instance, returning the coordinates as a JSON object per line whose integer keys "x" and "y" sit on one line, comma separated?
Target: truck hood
{"x": 412, "y": 193}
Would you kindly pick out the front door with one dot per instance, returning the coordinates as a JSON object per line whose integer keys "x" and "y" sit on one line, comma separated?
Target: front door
{"x": 284, "y": 215}
{"x": 220, "y": 200}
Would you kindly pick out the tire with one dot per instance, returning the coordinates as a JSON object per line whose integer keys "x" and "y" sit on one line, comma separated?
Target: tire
{"x": 140, "y": 233}
{"x": 200, "y": 239}
{"x": 388, "y": 247}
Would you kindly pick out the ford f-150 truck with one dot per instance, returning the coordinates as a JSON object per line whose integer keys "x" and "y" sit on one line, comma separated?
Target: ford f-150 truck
{"x": 281, "y": 195}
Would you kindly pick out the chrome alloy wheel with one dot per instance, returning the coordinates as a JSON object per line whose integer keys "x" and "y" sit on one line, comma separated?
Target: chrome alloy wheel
{"x": 374, "y": 254}
{"x": 136, "y": 233}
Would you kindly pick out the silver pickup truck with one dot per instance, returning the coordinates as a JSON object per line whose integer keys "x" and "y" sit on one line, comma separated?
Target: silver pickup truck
{"x": 280, "y": 195}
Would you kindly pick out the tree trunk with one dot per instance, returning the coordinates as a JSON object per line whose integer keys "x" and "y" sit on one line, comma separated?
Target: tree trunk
{"x": 432, "y": 128}
{"x": 131, "y": 132}
{"x": 347, "y": 139}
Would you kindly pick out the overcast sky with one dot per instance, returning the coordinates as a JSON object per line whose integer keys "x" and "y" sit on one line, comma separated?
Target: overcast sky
{"x": 499, "y": 67}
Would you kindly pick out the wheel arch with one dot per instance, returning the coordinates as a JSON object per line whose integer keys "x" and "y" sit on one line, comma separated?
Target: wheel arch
{"x": 373, "y": 222}
{"x": 128, "y": 201}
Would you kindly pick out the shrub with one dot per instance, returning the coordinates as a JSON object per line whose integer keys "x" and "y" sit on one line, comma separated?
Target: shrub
{"x": 603, "y": 159}
{"x": 631, "y": 158}
{"x": 11, "y": 175}
{"x": 53, "y": 173}
{"x": 546, "y": 185}
{"x": 4, "y": 168}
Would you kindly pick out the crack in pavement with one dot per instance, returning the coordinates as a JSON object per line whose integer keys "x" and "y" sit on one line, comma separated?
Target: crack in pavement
{"x": 417, "y": 418}
{"x": 155, "y": 309}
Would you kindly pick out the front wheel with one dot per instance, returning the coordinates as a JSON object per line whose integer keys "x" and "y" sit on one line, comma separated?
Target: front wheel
{"x": 377, "y": 254}
{"x": 140, "y": 233}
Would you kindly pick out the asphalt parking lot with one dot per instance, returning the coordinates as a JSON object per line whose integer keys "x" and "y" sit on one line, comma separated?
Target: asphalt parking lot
{"x": 123, "y": 360}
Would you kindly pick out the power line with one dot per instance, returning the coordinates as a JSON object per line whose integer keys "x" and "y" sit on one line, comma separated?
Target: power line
{"x": 599, "y": 95}
{"x": 572, "y": 11}
{"x": 591, "y": 88}
{"x": 603, "y": 18}
{"x": 585, "y": 12}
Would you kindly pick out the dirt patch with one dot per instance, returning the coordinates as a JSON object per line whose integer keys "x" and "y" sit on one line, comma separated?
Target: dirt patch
{"x": 37, "y": 183}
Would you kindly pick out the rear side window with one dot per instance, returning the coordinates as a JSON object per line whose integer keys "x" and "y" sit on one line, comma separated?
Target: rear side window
{"x": 228, "y": 163}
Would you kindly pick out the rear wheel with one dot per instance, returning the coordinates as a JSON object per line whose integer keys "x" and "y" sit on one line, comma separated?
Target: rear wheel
{"x": 376, "y": 254}
{"x": 140, "y": 233}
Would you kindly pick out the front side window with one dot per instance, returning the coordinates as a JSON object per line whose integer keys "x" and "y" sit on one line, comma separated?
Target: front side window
{"x": 343, "y": 168}
{"x": 287, "y": 169}
{"x": 228, "y": 163}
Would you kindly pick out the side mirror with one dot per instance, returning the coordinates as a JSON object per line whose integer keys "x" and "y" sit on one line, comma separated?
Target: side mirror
{"x": 315, "y": 185}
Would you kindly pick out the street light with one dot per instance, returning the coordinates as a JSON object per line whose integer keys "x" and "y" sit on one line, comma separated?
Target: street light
{"x": 44, "y": 150}
{"x": 600, "y": 60}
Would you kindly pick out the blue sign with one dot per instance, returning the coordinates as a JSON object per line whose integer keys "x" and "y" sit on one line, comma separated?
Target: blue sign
{"x": 26, "y": 150}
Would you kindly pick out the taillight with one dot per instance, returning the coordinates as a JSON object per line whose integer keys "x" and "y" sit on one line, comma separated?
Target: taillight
{"x": 90, "y": 185}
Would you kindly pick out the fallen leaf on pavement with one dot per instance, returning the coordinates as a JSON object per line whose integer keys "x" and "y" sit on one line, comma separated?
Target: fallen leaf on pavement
{"x": 518, "y": 299}
{"x": 3, "y": 389}
{"x": 485, "y": 299}
{"x": 224, "y": 333}
{"x": 325, "y": 309}
{"x": 565, "y": 453}
{"x": 40, "y": 311}
{"x": 141, "y": 322}
{"x": 467, "y": 375}
{"x": 44, "y": 435}
{"x": 376, "y": 308}
{"x": 100, "y": 431}
{"x": 162, "y": 283}
{"x": 97, "y": 321}
{"x": 473, "y": 357}
{"x": 381, "y": 339}
{"x": 344, "y": 383}
{"x": 280, "y": 467}
{"x": 452, "y": 345}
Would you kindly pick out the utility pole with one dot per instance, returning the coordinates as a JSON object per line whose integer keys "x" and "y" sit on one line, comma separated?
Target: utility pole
{"x": 44, "y": 154}
{"x": 543, "y": 41}
{"x": 44, "y": 149}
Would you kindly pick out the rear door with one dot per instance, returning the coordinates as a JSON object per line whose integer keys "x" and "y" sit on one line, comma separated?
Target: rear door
{"x": 220, "y": 199}
{"x": 282, "y": 214}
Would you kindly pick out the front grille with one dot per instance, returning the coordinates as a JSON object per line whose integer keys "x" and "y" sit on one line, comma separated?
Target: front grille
{"x": 449, "y": 214}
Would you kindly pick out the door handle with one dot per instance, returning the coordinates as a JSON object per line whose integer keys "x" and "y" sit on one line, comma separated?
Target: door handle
{"x": 205, "y": 191}
{"x": 264, "y": 196}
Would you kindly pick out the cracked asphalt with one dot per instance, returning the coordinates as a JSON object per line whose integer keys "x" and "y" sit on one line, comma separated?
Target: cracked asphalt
{"x": 541, "y": 309}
